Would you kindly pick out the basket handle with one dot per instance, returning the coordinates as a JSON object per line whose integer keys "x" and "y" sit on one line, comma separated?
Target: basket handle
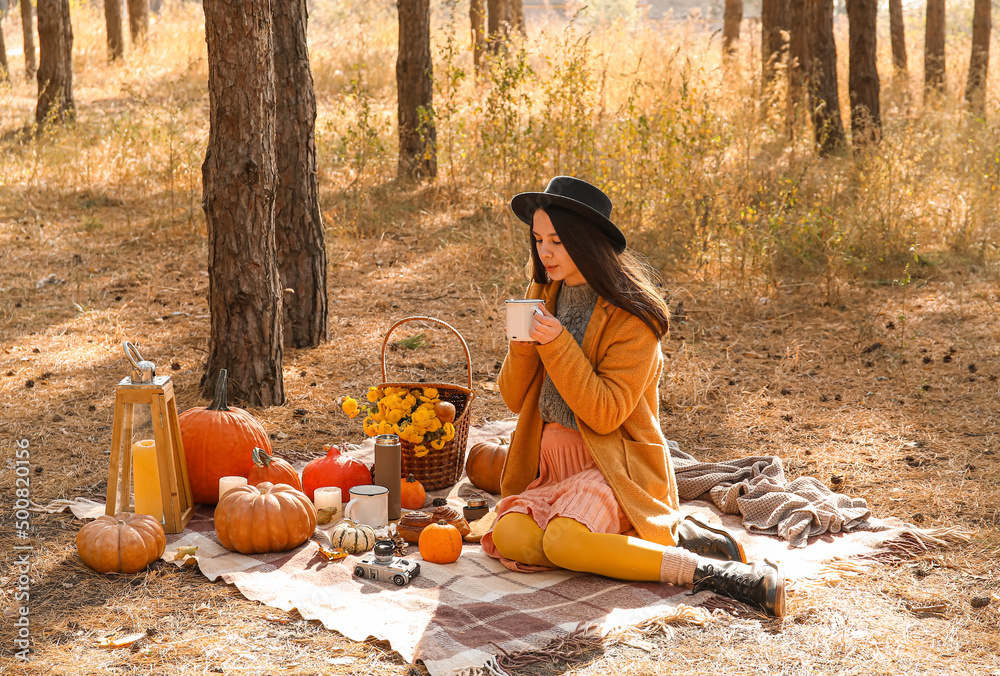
{"x": 468, "y": 357}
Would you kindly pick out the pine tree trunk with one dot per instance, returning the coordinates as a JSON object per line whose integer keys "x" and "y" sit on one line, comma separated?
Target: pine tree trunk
{"x": 517, "y": 16}
{"x": 4, "y": 68}
{"x": 477, "y": 18}
{"x": 866, "y": 121}
{"x": 798, "y": 57}
{"x": 498, "y": 23}
{"x": 773, "y": 20}
{"x": 934, "y": 47}
{"x": 731, "y": 19}
{"x": 979, "y": 60}
{"x": 55, "y": 68}
{"x": 415, "y": 88}
{"x": 138, "y": 20}
{"x": 113, "y": 19}
{"x": 298, "y": 224}
{"x": 897, "y": 32}
{"x": 244, "y": 296}
{"x": 28, "y": 30}
{"x": 824, "y": 99}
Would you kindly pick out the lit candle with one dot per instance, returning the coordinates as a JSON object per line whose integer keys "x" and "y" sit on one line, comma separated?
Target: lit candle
{"x": 228, "y": 483}
{"x": 147, "y": 479}
{"x": 329, "y": 497}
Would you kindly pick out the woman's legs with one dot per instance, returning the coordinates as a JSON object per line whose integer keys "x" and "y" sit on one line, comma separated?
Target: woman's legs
{"x": 517, "y": 537}
{"x": 569, "y": 544}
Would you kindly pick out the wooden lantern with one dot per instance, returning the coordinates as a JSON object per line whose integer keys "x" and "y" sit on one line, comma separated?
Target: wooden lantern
{"x": 164, "y": 473}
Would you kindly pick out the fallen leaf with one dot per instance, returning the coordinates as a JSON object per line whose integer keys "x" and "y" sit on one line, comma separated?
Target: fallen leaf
{"x": 184, "y": 552}
{"x": 335, "y": 554}
{"x": 123, "y": 642}
{"x": 490, "y": 386}
{"x": 328, "y": 514}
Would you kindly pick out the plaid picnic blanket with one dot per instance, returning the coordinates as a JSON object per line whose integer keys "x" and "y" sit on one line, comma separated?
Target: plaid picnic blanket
{"x": 460, "y": 616}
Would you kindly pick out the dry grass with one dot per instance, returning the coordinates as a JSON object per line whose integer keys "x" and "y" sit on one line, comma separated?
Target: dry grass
{"x": 881, "y": 382}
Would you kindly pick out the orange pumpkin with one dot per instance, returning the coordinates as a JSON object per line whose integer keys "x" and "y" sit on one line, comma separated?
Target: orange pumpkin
{"x": 264, "y": 518}
{"x": 123, "y": 543}
{"x": 411, "y": 493}
{"x": 273, "y": 469}
{"x": 440, "y": 543}
{"x": 217, "y": 443}
{"x": 485, "y": 463}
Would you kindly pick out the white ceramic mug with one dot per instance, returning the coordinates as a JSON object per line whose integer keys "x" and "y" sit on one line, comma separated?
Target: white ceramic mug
{"x": 369, "y": 505}
{"x": 520, "y": 313}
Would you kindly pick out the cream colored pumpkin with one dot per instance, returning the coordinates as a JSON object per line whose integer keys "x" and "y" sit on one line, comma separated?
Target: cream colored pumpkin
{"x": 353, "y": 538}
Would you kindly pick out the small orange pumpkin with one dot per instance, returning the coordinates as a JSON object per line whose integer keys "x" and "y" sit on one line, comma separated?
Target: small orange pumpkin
{"x": 440, "y": 543}
{"x": 485, "y": 463}
{"x": 123, "y": 543}
{"x": 264, "y": 518}
{"x": 273, "y": 469}
{"x": 411, "y": 493}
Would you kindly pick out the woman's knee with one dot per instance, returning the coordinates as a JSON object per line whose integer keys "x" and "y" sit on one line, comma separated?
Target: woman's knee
{"x": 564, "y": 542}
{"x": 517, "y": 537}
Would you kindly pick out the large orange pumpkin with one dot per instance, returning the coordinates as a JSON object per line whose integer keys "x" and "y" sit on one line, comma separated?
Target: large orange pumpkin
{"x": 273, "y": 469}
{"x": 485, "y": 463}
{"x": 218, "y": 440}
{"x": 123, "y": 543}
{"x": 264, "y": 518}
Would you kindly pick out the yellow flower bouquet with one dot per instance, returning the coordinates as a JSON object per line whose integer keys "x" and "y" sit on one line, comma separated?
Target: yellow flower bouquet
{"x": 418, "y": 415}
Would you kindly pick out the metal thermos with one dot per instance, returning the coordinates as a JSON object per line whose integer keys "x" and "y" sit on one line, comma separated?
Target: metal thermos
{"x": 388, "y": 470}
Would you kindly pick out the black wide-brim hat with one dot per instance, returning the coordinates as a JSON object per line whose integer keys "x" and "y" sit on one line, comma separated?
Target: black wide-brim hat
{"x": 580, "y": 197}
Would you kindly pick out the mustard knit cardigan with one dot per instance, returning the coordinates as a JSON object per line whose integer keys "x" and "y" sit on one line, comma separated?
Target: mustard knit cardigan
{"x": 610, "y": 382}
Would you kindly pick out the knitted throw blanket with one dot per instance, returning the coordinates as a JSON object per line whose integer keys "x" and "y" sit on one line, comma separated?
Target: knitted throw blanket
{"x": 756, "y": 489}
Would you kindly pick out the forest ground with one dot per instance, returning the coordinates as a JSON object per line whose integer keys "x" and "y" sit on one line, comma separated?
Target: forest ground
{"x": 889, "y": 395}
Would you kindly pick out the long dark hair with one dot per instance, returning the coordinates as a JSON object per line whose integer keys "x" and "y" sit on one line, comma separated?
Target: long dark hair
{"x": 622, "y": 279}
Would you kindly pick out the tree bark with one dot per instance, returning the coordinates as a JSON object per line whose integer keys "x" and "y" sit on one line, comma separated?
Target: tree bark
{"x": 499, "y": 21}
{"x": 897, "y": 32}
{"x": 517, "y": 15}
{"x": 298, "y": 223}
{"x": 244, "y": 296}
{"x": 863, "y": 82}
{"x": 477, "y": 17}
{"x": 825, "y": 101}
{"x": 4, "y": 68}
{"x": 415, "y": 89}
{"x": 55, "y": 68}
{"x": 138, "y": 20}
{"x": 934, "y": 47}
{"x": 28, "y": 30}
{"x": 798, "y": 55}
{"x": 979, "y": 60}
{"x": 113, "y": 19}
{"x": 773, "y": 20}
{"x": 731, "y": 19}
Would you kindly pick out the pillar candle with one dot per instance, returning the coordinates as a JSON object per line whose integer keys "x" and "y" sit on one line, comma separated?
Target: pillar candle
{"x": 147, "y": 479}
{"x": 329, "y": 496}
{"x": 228, "y": 483}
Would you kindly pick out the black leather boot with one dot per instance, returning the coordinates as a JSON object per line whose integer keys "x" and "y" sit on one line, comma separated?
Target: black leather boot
{"x": 756, "y": 584}
{"x": 708, "y": 541}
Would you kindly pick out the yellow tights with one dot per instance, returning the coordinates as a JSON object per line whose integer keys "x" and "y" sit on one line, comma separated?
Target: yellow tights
{"x": 567, "y": 543}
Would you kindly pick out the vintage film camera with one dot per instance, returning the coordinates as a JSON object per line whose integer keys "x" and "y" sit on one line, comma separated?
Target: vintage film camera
{"x": 381, "y": 565}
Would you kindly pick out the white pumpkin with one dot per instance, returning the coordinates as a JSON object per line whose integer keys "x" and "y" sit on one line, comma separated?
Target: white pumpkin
{"x": 353, "y": 538}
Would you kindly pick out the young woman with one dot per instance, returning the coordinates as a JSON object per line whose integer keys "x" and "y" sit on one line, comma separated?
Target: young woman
{"x": 588, "y": 483}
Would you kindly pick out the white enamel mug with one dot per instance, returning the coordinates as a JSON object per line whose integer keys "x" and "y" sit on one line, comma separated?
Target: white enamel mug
{"x": 368, "y": 505}
{"x": 520, "y": 313}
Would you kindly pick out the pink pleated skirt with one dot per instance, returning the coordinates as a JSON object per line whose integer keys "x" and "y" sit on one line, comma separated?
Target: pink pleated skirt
{"x": 569, "y": 484}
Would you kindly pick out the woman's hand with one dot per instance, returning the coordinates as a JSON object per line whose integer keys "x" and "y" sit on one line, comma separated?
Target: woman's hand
{"x": 544, "y": 326}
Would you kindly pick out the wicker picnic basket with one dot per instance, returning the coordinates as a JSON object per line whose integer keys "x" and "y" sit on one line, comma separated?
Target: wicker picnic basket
{"x": 439, "y": 468}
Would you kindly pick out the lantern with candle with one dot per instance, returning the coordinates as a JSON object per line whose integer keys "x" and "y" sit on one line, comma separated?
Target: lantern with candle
{"x": 146, "y": 448}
